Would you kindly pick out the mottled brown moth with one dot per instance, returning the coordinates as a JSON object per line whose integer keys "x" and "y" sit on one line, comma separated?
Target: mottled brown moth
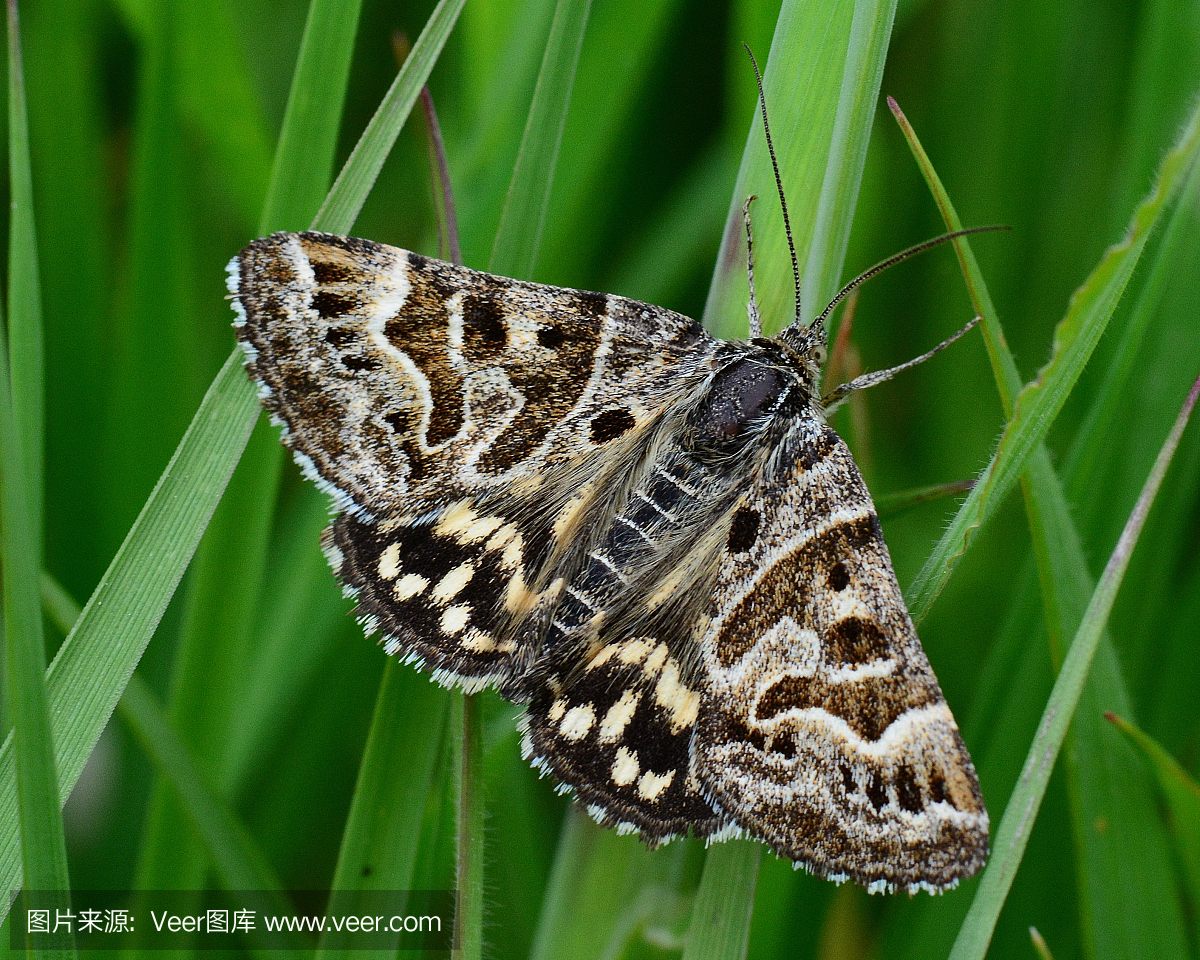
{"x": 649, "y": 537}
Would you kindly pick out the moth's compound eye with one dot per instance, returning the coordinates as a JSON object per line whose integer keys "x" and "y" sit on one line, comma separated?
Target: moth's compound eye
{"x": 819, "y": 354}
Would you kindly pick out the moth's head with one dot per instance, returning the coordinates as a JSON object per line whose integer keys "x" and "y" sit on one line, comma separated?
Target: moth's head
{"x": 807, "y": 345}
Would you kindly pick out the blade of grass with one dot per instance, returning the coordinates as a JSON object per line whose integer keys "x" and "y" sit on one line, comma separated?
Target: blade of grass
{"x": 303, "y": 160}
{"x": 857, "y": 40}
{"x": 804, "y": 79}
{"x": 1039, "y": 403}
{"x": 468, "y": 920}
{"x": 24, "y": 287}
{"x": 1182, "y": 796}
{"x": 95, "y": 662}
{"x": 893, "y": 503}
{"x": 338, "y": 212}
{"x": 519, "y": 235}
{"x": 237, "y": 860}
{"x": 596, "y": 897}
{"x": 1102, "y": 775}
{"x": 217, "y": 95}
{"x": 66, "y": 147}
{"x": 866, "y": 52}
{"x": 1019, "y": 815}
{"x": 615, "y": 82}
{"x": 300, "y": 615}
{"x": 43, "y": 844}
{"x": 379, "y": 845}
{"x": 239, "y": 863}
{"x": 725, "y": 902}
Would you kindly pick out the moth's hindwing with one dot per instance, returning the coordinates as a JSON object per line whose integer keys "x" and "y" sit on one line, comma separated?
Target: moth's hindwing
{"x": 824, "y": 731}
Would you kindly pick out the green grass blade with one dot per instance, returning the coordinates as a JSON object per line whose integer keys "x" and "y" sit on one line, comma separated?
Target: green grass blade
{"x": 604, "y": 891}
{"x": 300, "y": 614}
{"x": 304, "y": 156}
{"x": 805, "y": 77}
{"x": 96, "y": 660}
{"x": 514, "y": 251}
{"x": 866, "y": 52}
{"x": 1039, "y": 403}
{"x": 1004, "y": 368}
{"x": 725, "y": 902}
{"x": 25, "y": 342}
{"x": 38, "y": 819}
{"x": 236, "y": 858}
{"x": 1013, "y": 834}
{"x": 468, "y": 921}
{"x": 239, "y": 863}
{"x": 1124, "y": 871}
{"x": 217, "y": 95}
{"x": 340, "y": 209}
{"x": 1181, "y": 794}
{"x": 856, "y": 39}
{"x": 379, "y": 846}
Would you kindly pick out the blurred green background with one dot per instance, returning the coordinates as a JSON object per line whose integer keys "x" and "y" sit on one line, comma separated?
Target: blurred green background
{"x": 153, "y": 125}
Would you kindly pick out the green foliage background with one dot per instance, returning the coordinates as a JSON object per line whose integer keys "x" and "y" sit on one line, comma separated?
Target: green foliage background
{"x": 152, "y": 129}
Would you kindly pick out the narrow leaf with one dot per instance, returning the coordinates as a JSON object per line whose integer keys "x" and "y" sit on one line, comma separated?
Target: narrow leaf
{"x": 1182, "y": 796}
{"x": 1021, "y": 812}
{"x": 379, "y": 845}
{"x": 1124, "y": 873}
{"x": 95, "y": 662}
{"x": 519, "y": 235}
{"x": 340, "y": 209}
{"x": 304, "y": 155}
{"x": 37, "y": 819}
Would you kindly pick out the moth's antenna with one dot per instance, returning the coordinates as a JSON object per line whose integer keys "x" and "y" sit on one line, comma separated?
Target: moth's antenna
{"x": 895, "y": 259}
{"x": 787, "y": 225}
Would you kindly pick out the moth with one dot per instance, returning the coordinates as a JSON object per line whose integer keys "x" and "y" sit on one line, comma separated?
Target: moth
{"x": 649, "y": 537}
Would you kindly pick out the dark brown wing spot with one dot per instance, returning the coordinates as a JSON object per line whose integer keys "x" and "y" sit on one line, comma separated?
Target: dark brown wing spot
{"x": 326, "y": 272}
{"x": 484, "y": 333}
{"x": 814, "y": 450}
{"x": 330, "y": 305}
{"x": 611, "y": 424}
{"x": 743, "y": 530}
{"x": 876, "y": 792}
{"x": 590, "y": 304}
{"x": 419, "y": 330}
{"x": 908, "y": 792}
{"x": 357, "y": 363}
{"x": 839, "y": 579}
{"x": 855, "y": 641}
{"x": 937, "y": 788}
{"x": 551, "y": 337}
{"x": 340, "y": 337}
{"x": 848, "y": 779}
